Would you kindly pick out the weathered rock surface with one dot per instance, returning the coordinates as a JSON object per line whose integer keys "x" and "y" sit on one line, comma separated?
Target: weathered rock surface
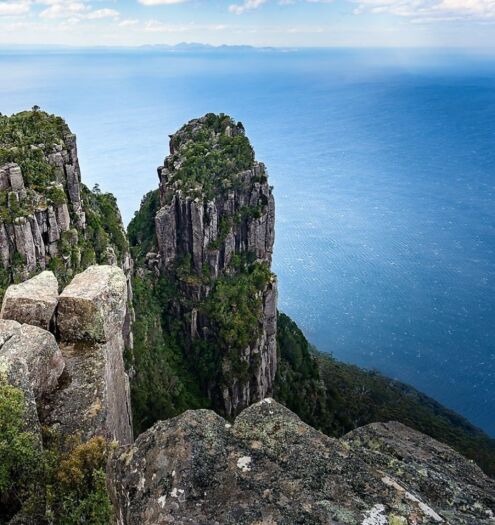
{"x": 93, "y": 306}
{"x": 453, "y": 484}
{"x": 95, "y": 396}
{"x": 270, "y": 468}
{"x": 38, "y": 349}
{"x": 210, "y": 229}
{"x": 33, "y": 301}
{"x": 14, "y": 371}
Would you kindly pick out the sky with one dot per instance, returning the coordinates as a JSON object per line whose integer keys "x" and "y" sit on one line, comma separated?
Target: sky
{"x": 284, "y": 23}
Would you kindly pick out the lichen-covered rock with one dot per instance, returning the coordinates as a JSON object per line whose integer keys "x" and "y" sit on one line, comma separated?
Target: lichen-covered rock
{"x": 271, "y": 468}
{"x": 33, "y": 301}
{"x": 38, "y": 349}
{"x": 95, "y": 396}
{"x": 14, "y": 371}
{"x": 93, "y": 306}
{"x": 411, "y": 460}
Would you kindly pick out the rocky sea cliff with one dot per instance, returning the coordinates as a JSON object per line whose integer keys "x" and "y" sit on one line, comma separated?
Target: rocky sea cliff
{"x": 143, "y": 378}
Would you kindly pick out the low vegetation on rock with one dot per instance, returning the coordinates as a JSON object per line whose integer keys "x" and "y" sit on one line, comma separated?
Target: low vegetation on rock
{"x": 62, "y": 483}
{"x": 208, "y": 154}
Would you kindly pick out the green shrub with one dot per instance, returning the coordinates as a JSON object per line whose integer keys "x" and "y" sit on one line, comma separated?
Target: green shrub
{"x": 76, "y": 486}
{"x": 210, "y": 156}
{"x": 62, "y": 484}
{"x": 20, "y": 454}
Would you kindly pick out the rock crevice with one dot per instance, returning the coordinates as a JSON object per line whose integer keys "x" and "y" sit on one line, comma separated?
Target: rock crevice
{"x": 79, "y": 382}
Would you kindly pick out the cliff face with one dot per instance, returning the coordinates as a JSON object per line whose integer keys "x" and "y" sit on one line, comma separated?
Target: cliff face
{"x": 48, "y": 219}
{"x": 34, "y": 222}
{"x": 215, "y": 234}
{"x": 269, "y": 467}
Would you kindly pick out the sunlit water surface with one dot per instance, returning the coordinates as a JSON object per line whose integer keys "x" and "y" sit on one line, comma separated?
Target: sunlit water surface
{"x": 384, "y": 171}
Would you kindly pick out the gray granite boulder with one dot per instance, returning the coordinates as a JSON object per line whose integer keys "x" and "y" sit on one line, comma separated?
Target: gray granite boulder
{"x": 16, "y": 178}
{"x": 271, "y": 468}
{"x": 38, "y": 349}
{"x": 33, "y": 301}
{"x": 410, "y": 460}
{"x": 93, "y": 306}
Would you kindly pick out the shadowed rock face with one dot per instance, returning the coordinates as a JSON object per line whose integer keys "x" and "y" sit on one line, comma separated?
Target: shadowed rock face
{"x": 210, "y": 215}
{"x": 270, "y": 468}
{"x": 95, "y": 397}
{"x": 33, "y": 301}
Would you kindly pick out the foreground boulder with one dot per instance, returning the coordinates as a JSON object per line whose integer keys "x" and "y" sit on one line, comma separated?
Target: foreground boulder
{"x": 453, "y": 484}
{"x": 271, "y": 468}
{"x": 95, "y": 396}
{"x": 38, "y": 349}
{"x": 33, "y": 301}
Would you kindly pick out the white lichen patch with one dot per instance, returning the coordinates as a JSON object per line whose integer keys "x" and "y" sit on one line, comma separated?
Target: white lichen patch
{"x": 425, "y": 509}
{"x": 141, "y": 483}
{"x": 267, "y": 400}
{"x": 176, "y": 493}
{"x": 162, "y": 500}
{"x": 375, "y": 516}
{"x": 228, "y": 425}
{"x": 244, "y": 463}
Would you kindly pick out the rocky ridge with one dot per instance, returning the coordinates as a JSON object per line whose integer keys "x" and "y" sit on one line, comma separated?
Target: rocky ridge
{"x": 216, "y": 222}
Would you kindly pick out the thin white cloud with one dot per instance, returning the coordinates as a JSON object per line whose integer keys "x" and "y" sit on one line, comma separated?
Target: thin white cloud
{"x": 160, "y": 2}
{"x": 154, "y": 26}
{"x": 14, "y": 8}
{"x": 64, "y": 10}
{"x": 431, "y": 10}
{"x": 128, "y": 23}
{"x": 247, "y": 5}
{"x": 250, "y": 5}
{"x": 102, "y": 13}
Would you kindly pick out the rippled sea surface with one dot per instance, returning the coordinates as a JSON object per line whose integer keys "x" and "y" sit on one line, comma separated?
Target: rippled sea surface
{"x": 383, "y": 164}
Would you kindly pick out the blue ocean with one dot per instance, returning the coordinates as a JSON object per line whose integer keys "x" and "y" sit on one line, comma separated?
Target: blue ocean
{"x": 383, "y": 163}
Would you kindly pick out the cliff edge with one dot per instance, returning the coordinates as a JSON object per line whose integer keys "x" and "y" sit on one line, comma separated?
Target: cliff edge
{"x": 271, "y": 468}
